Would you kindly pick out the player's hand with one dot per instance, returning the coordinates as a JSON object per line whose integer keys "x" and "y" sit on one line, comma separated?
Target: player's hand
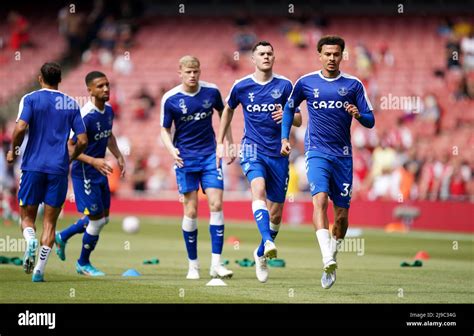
{"x": 177, "y": 159}
{"x": 10, "y": 157}
{"x": 285, "y": 147}
{"x": 220, "y": 155}
{"x": 70, "y": 148}
{"x": 232, "y": 157}
{"x": 353, "y": 111}
{"x": 121, "y": 163}
{"x": 102, "y": 166}
{"x": 278, "y": 115}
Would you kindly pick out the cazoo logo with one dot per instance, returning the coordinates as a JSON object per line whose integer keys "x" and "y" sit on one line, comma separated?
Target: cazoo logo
{"x": 262, "y": 107}
{"x": 196, "y": 116}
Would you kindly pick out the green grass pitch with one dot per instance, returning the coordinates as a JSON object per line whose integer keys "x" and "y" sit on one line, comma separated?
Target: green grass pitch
{"x": 373, "y": 275}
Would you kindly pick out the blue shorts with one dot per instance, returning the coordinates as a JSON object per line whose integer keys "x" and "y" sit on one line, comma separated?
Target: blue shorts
{"x": 274, "y": 169}
{"x": 91, "y": 198}
{"x": 201, "y": 170}
{"x": 36, "y": 188}
{"x": 330, "y": 174}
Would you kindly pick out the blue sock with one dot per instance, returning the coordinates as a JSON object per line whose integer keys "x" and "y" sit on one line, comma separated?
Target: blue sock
{"x": 217, "y": 238}
{"x": 88, "y": 245}
{"x": 78, "y": 227}
{"x": 261, "y": 247}
{"x": 262, "y": 217}
{"x": 190, "y": 239}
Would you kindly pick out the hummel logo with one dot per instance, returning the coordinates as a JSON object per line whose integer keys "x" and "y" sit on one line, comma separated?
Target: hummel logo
{"x": 87, "y": 187}
{"x": 251, "y": 96}
{"x": 316, "y": 93}
{"x": 220, "y": 233}
{"x": 98, "y": 126}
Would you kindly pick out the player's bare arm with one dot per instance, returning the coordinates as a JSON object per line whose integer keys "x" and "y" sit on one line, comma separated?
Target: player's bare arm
{"x": 366, "y": 119}
{"x": 278, "y": 117}
{"x": 285, "y": 147}
{"x": 98, "y": 163}
{"x": 166, "y": 138}
{"x": 353, "y": 111}
{"x": 18, "y": 136}
{"x": 76, "y": 148}
{"x": 224, "y": 127}
{"x": 115, "y": 150}
{"x": 230, "y": 140}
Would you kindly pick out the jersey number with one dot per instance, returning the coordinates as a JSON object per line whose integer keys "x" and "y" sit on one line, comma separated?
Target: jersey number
{"x": 347, "y": 191}
{"x": 219, "y": 171}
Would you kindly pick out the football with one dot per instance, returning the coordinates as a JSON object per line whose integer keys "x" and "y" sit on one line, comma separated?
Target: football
{"x": 131, "y": 224}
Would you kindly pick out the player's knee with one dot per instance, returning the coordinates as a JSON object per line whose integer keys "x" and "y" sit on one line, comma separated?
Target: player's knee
{"x": 190, "y": 212}
{"x": 95, "y": 226}
{"x": 47, "y": 240}
{"x": 341, "y": 218}
{"x": 275, "y": 218}
{"x": 259, "y": 193}
{"x": 215, "y": 205}
{"x": 321, "y": 202}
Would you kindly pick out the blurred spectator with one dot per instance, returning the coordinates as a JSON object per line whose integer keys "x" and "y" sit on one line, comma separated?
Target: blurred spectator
{"x": 383, "y": 158}
{"x": 19, "y": 26}
{"x": 114, "y": 178}
{"x": 364, "y": 62}
{"x": 462, "y": 28}
{"x": 404, "y": 179}
{"x": 385, "y": 56}
{"x": 445, "y": 28}
{"x": 123, "y": 142}
{"x": 400, "y": 136}
{"x": 130, "y": 12}
{"x": 108, "y": 33}
{"x": 245, "y": 39}
{"x": 125, "y": 37}
{"x": 157, "y": 181}
{"x": 140, "y": 174}
{"x": 97, "y": 56}
{"x": 122, "y": 64}
{"x": 453, "y": 51}
{"x": 361, "y": 164}
{"x": 467, "y": 48}
{"x": 144, "y": 104}
{"x": 430, "y": 109}
{"x": 296, "y": 35}
{"x": 227, "y": 63}
{"x": 73, "y": 27}
{"x": 465, "y": 88}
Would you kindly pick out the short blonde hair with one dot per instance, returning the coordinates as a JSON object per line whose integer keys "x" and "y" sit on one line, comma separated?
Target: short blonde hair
{"x": 189, "y": 61}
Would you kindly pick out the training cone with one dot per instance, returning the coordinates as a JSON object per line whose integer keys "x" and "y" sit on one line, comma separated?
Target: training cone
{"x": 422, "y": 255}
{"x": 131, "y": 272}
{"x": 233, "y": 239}
{"x": 396, "y": 227}
{"x": 216, "y": 282}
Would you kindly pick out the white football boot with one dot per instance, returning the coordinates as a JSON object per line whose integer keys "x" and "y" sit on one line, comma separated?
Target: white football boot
{"x": 261, "y": 268}
{"x": 193, "y": 272}
{"x": 329, "y": 274}
{"x": 221, "y": 272}
{"x": 270, "y": 250}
